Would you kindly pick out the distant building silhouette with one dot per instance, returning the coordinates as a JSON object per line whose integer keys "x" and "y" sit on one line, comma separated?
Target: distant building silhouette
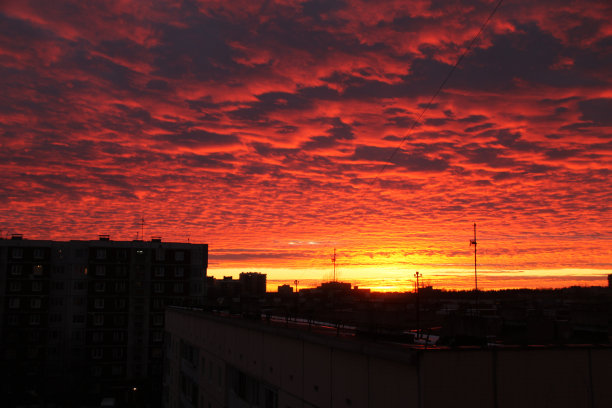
{"x": 253, "y": 283}
{"x": 85, "y": 319}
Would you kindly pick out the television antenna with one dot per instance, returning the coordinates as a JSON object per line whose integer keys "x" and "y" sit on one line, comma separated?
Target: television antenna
{"x": 334, "y": 262}
{"x": 473, "y": 242}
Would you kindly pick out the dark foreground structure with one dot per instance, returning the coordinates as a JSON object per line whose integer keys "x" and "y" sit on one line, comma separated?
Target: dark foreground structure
{"x": 84, "y": 320}
{"x": 217, "y": 361}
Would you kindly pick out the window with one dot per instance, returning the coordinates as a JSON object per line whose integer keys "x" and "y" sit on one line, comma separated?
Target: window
{"x": 158, "y": 271}
{"x": 99, "y": 286}
{"x": 55, "y": 318}
{"x": 178, "y": 288}
{"x": 79, "y": 285}
{"x": 78, "y": 318}
{"x": 119, "y": 303}
{"x": 37, "y": 270}
{"x": 13, "y": 320}
{"x": 158, "y": 336}
{"x": 79, "y": 253}
{"x": 116, "y": 370}
{"x": 179, "y": 272}
{"x": 100, "y": 270}
{"x": 98, "y": 320}
{"x": 78, "y": 301}
{"x": 101, "y": 253}
{"x": 17, "y": 253}
{"x": 58, "y": 285}
{"x": 97, "y": 353}
{"x": 158, "y": 320}
{"x": 122, "y": 254}
{"x": 117, "y": 353}
{"x": 38, "y": 253}
{"x": 179, "y": 256}
{"x": 122, "y": 271}
{"x": 99, "y": 303}
{"x": 56, "y": 301}
{"x": 36, "y": 286}
{"x": 120, "y": 287}
{"x": 96, "y": 371}
{"x": 158, "y": 303}
{"x": 98, "y": 337}
{"x": 35, "y": 303}
{"x": 158, "y": 287}
{"x": 118, "y": 336}
{"x": 34, "y": 320}
{"x": 14, "y": 303}
{"x": 160, "y": 254}
{"x": 15, "y": 286}
{"x": 16, "y": 270}
{"x": 119, "y": 320}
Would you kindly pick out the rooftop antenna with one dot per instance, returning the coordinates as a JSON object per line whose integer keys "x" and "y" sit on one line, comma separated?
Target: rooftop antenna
{"x": 296, "y": 285}
{"x": 334, "y": 262}
{"x": 142, "y": 222}
{"x": 418, "y": 317}
{"x": 473, "y": 242}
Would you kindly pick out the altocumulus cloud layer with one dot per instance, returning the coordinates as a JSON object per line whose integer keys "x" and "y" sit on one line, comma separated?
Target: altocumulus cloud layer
{"x": 270, "y": 129}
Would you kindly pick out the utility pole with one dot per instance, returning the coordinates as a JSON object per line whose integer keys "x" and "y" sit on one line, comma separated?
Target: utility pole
{"x": 334, "y": 262}
{"x": 418, "y": 312}
{"x": 473, "y": 242}
{"x": 295, "y": 282}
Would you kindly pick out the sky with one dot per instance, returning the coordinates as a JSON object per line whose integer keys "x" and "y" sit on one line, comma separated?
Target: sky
{"x": 276, "y": 131}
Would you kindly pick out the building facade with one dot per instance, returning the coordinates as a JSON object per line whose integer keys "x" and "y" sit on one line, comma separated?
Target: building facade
{"x": 85, "y": 319}
{"x": 214, "y": 362}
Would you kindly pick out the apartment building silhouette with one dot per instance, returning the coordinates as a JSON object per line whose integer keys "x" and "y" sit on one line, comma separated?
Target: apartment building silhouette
{"x": 81, "y": 320}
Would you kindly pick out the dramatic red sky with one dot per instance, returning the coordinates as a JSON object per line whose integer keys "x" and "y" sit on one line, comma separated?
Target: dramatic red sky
{"x": 267, "y": 130}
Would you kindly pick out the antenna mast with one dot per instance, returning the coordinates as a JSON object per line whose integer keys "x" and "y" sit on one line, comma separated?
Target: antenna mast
{"x": 142, "y": 222}
{"x": 334, "y": 262}
{"x": 473, "y": 242}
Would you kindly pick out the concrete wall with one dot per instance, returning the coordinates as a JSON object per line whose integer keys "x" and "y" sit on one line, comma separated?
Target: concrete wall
{"x": 309, "y": 370}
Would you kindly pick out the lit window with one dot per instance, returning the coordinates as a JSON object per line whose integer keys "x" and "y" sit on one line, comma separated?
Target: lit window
{"x": 37, "y": 270}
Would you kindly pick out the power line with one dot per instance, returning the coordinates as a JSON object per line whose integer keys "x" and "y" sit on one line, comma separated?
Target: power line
{"x": 435, "y": 94}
